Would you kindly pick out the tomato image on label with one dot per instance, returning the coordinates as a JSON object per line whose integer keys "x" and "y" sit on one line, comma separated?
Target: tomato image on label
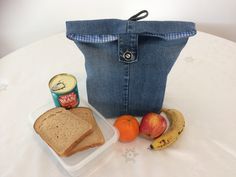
{"x": 68, "y": 101}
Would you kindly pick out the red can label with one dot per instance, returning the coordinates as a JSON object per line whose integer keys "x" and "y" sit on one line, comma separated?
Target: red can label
{"x": 68, "y": 101}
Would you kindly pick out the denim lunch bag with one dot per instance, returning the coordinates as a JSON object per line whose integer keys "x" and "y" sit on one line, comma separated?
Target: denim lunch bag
{"x": 127, "y": 61}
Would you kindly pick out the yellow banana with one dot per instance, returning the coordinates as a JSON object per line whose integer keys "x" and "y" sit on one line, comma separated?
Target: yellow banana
{"x": 176, "y": 126}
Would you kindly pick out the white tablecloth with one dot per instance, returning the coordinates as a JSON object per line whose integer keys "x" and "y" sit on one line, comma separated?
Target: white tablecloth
{"x": 202, "y": 84}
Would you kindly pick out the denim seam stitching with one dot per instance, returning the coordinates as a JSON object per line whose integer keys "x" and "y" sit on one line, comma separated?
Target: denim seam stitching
{"x": 171, "y": 36}
{"x": 126, "y": 88}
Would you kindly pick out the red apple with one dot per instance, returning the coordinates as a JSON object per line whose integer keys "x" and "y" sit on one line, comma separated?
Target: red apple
{"x": 152, "y": 125}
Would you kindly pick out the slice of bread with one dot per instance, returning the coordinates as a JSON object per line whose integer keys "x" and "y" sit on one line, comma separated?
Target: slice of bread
{"x": 61, "y": 129}
{"x": 96, "y": 138}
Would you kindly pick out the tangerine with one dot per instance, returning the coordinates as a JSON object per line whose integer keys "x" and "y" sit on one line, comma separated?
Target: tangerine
{"x": 128, "y": 127}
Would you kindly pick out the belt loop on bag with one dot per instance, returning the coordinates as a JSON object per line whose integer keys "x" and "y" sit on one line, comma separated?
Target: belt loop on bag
{"x": 137, "y": 16}
{"x": 128, "y": 42}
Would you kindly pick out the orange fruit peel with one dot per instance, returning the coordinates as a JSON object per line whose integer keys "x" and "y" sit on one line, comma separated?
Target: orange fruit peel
{"x": 128, "y": 127}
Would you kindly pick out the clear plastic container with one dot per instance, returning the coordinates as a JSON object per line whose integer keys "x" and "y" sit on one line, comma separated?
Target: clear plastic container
{"x": 84, "y": 162}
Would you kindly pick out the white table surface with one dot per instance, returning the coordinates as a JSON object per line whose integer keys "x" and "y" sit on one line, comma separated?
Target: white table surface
{"x": 202, "y": 84}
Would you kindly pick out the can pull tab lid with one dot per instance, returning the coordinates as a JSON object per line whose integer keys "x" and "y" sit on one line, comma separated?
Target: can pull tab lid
{"x": 138, "y": 16}
{"x": 58, "y": 86}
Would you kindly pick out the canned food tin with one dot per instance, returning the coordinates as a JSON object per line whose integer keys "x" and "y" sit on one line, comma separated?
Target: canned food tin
{"x": 64, "y": 91}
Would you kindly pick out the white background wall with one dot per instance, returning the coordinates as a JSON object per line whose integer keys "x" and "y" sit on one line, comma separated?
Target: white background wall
{"x": 25, "y": 21}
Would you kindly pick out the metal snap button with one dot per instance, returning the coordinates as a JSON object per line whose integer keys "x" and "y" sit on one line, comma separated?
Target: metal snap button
{"x": 128, "y": 55}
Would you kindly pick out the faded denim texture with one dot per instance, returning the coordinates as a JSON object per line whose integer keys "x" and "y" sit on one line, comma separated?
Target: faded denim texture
{"x": 127, "y": 62}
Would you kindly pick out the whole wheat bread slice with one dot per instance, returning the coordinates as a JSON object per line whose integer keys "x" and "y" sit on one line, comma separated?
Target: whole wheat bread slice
{"x": 62, "y": 130}
{"x": 96, "y": 138}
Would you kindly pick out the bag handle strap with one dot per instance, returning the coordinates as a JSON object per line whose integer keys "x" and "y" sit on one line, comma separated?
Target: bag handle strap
{"x": 137, "y": 16}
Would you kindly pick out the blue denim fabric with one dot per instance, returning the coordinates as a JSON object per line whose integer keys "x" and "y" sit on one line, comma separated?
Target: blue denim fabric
{"x": 127, "y": 62}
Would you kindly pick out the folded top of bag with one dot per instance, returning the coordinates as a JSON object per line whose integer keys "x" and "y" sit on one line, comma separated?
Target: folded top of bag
{"x": 108, "y": 29}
